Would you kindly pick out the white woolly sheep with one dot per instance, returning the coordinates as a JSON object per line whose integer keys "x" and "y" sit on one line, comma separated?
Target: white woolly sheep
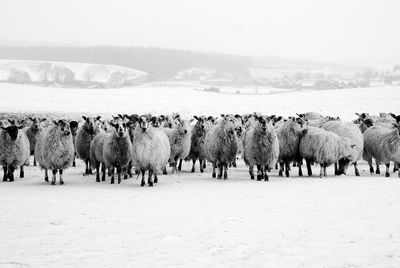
{"x": 84, "y": 137}
{"x": 96, "y": 155}
{"x": 289, "y": 135}
{"x": 261, "y": 148}
{"x": 179, "y": 139}
{"x": 150, "y": 149}
{"x": 14, "y": 151}
{"x": 55, "y": 150}
{"x": 32, "y": 132}
{"x": 353, "y": 133}
{"x": 220, "y": 145}
{"x": 323, "y": 147}
{"x": 382, "y": 144}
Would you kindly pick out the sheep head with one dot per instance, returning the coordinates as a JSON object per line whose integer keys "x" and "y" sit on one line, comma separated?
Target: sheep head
{"x": 63, "y": 127}
{"x": 73, "y": 125}
{"x": 91, "y": 124}
{"x": 12, "y": 131}
{"x": 120, "y": 128}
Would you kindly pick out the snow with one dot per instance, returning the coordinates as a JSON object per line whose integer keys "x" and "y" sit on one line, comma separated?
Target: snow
{"x": 192, "y": 220}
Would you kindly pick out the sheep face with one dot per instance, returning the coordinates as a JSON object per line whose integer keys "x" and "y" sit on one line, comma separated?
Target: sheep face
{"x": 63, "y": 127}
{"x": 120, "y": 129}
{"x": 73, "y": 125}
{"x": 35, "y": 127}
{"x": 12, "y": 131}
{"x": 262, "y": 123}
{"x": 91, "y": 124}
{"x": 145, "y": 122}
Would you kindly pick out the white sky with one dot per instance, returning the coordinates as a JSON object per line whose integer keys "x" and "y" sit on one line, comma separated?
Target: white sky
{"x": 348, "y": 31}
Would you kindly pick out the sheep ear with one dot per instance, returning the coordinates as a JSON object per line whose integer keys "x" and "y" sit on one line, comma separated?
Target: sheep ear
{"x": 222, "y": 115}
{"x": 43, "y": 119}
{"x": 84, "y": 118}
{"x": 195, "y": 117}
{"x": 55, "y": 122}
{"x": 98, "y": 118}
{"x": 30, "y": 118}
{"x": 153, "y": 119}
{"x": 4, "y": 128}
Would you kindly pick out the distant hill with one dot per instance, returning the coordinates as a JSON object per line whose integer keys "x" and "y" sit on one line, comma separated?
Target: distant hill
{"x": 160, "y": 64}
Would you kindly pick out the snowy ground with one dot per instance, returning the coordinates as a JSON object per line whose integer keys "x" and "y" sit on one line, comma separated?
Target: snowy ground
{"x": 191, "y": 220}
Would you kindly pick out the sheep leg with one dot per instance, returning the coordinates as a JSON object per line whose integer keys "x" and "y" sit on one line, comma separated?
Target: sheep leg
{"x": 180, "y": 165}
{"x": 321, "y": 171}
{"x": 395, "y": 167}
{"x": 164, "y": 170}
{"x": 143, "y": 183}
{"x": 309, "y": 170}
{"x": 281, "y": 168}
{"x": 46, "y": 175}
{"x": 61, "y": 176}
{"x": 225, "y": 166}
{"x": 193, "y": 167}
{"x": 220, "y": 170}
{"x": 53, "y": 179}
{"x": 90, "y": 168}
{"x": 125, "y": 172}
{"x": 155, "y": 177}
{"x": 371, "y": 167}
{"x": 266, "y": 178}
{"x": 356, "y": 169}
{"x": 130, "y": 174}
{"x": 378, "y": 171}
{"x": 119, "y": 171}
{"x": 34, "y": 161}
{"x": 251, "y": 172}
{"x": 300, "y": 170}
{"x": 259, "y": 173}
{"x": 97, "y": 172}
{"x": 294, "y": 164}
{"x": 21, "y": 172}
{"x": 387, "y": 174}
{"x": 336, "y": 169}
{"x": 150, "y": 181}
{"x": 204, "y": 164}
{"x": 201, "y": 166}
{"x": 10, "y": 173}
{"x": 213, "y": 172}
{"x": 324, "y": 170}
{"x": 5, "y": 173}
{"x": 111, "y": 169}
{"x": 287, "y": 171}
{"x": 103, "y": 169}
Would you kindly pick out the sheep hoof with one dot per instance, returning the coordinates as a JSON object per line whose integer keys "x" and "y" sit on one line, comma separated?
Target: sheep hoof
{"x": 201, "y": 170}
{"x": 53, "y": 182}
{"x": 266, "y": 178}
{"x": 73, "y": 164}
{"x": 164, "y": 172}
{"x": 234, "y": 164}
{"x": 155, "y": 180}
{"x": 143, "y": 184}
{"x": 357, "y": 173}
{"x": 287, "y": 174}
{"x": 280, "y": 173}
{"x": 371, "y": 170}
{"x": 97, "y": 179}
{"x": 214, "y": 175}
{"x": 61, "y": 182}
{"x": 112, "y": 181}
{"x": 378, "y": 171}
{"x": 252, "y": 177}
{"x": 387, "y": 175}
{"x": 150, "y": 184}
{"x": 219, "y": 176}
{"x": 259, "y": 177}
{"x": 119, "y": 181}
{"x": 321, "y": 176}
{"x": 46, "y": 179}
{"x": 225, "y": 176}
{"x": 125, "y": 176}
{"x": 193, "y": 170}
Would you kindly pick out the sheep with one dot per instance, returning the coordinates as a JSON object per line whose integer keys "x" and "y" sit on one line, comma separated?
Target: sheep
{"x": 150, "y": 148}
{"x": 310, "y": 116}
{"x": 73, "y": 125}
{"x": 117, "y": 150}
{"x": 382, "y": 144}
{"x": 84, "y": 136}
{"x": 353, "y": 133}
{"x": 220, "y": 145}
{"x": 55, "y": 150}
{"x": 96, "y": 155}
{"x": 289, "y": 135}
{"x": 14, "y": 150}
{"x": 261, "y": 148}
{"x": 323, "y": 147}
{"x": 198, "y": 134}
{"x": 179, "y": 139}
{"x": 32, "y": 132}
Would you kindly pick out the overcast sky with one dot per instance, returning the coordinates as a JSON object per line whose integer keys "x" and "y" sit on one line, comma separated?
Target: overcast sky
{"x": 347, "y": 31}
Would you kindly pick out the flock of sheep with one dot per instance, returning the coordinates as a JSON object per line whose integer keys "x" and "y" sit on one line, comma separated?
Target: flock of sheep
{"x": 133, "y": 143}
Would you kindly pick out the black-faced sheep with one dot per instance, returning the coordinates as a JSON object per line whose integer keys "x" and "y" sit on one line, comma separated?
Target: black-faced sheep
{"x": 323, "y": 147}
{"x": 55, "y": 150}
{"x": 150, "y": 149}
{"x": 289, "y": 135}
{"x": 14, "y": 150}
{"x": 84, "y": 137}
{"x": 220, "y": 145}
{"x": 261, "y": 148}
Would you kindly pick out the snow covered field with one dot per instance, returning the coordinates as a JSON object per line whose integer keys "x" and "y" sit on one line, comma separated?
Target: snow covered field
{"x": 191, "y": 220}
